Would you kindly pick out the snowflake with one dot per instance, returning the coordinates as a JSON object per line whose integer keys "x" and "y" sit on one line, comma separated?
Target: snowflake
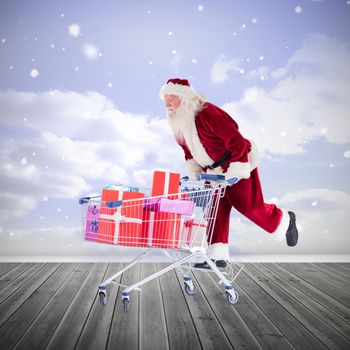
{"x": 261, "y": 58}
{"x": 3, "y": 40}
{"x": 283, "y": 133}
{"x": 346, "y": 154}
{"x": 11, "y": 67}
{"x": 254, "y": 20}
{"x": 90, "y": 51}
{"x": 34, "y": 73}
{"x": 194, "y": 60}
{"x": 314, "y": 203}
{"x": 170, "y": 33}
{"x": 150, "y": 63}
{"x": 298, "y": 9}
{"x": 109, "y": 84}
{"x": 59, "y": 210}
{"x": 12, "y": 234}
{"x": 173, "y": 52}
{"x": 149, "y": 12}
{"x": 45, "y": 199}
{"x": 41, "y": 218}
{"x": 24, "y": 161}
{"x": 52, "y": 46}
{"x": 241, "y": 71}
{"x": 74, "y": 30}
{"x": 34, "y": 154}
{"x": 200, "y": 8}
{"x": 331, "y": 165}
{"x": 76, "y": 69}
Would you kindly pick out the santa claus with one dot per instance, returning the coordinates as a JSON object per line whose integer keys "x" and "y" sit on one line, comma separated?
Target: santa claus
{"x": 213, "y": 144}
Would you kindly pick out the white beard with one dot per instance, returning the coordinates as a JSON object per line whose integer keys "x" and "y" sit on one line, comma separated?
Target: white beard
{"x": 180, "y": 120}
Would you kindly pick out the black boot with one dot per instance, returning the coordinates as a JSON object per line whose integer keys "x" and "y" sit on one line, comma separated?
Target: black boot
{"x": 292, "y": 232}
{"x": 204, "y": 265}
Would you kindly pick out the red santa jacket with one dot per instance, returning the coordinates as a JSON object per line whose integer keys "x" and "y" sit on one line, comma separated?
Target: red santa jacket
{"x": 211, "y": 135}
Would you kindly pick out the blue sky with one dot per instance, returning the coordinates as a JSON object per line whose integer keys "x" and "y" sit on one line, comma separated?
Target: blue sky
{"x": 79, "y": 109}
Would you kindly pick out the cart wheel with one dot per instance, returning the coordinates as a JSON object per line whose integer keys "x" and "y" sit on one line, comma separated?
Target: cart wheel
{"x": 103, "y": 298}
{"x": 126, "y": 304}
{"x": 189, "y": 290}
{"x": 232, "y": 299}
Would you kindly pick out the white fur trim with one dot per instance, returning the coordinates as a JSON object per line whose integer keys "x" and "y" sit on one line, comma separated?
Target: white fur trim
{"x": 280, "y": 233}
{"x": 177, "y": 89}
{"x": 239, "y": 169}
{"x": 253, "y": 156}
{"x": 193, "y": 169}
{"x": 195, "y": 146}
{"x": 219, "y": 251}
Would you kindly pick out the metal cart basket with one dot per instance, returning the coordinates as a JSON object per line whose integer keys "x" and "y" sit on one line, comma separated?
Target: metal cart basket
{"x": 180, "y": 224}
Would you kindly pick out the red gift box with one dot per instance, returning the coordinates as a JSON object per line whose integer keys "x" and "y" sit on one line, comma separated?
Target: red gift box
{"x": 165, "y": 182}
{"x": 121, "y": 225}
{"x": 162, "y": 229}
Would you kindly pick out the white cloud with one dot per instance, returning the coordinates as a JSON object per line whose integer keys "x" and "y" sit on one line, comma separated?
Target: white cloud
{"x": 323, "y": 228}
{"x": 76, "y": 139}
{"x": 311, "y": 94}
{"x": 221, "y": 68}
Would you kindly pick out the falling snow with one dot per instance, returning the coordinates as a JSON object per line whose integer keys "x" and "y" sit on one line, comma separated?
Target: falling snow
{"x": 283, "y": 134}
{"x": 314, "y": 203}
{"x": 109, "y": 85}
{"x": 261, "y": 58}
{"x": 241, "y": 71}
{"x": 254, "y": 20}
{"x": 200, "y": 8}
{"x": 3, "y": 40}
{"x": 346, "y": 154}
{"x": 34, "y": 73}
{"x": 90, "y": 51}
{"x": 45, "y": 199}
{"x": 23, "y": 161}
{"x": 74, "y": 30}
{"x": 298, "y": 9}
{"x": 170, "y": 33}
{"x": 194, "y": 60}
{"x": 173, "y": 52}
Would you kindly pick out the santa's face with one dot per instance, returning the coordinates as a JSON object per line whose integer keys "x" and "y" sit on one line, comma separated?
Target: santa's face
{"x": 172, "y": 103}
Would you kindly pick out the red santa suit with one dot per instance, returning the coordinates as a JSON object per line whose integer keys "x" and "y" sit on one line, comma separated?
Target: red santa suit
{"x": 212, "y": 134}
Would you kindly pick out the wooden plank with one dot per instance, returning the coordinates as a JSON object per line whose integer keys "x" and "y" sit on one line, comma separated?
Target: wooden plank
{"x": 14, "y": 302}
{"x": 18, "y": 323}
{"x": 124, "y": 329}
{"x": 153, "y": 333}
{"x": 13, "y": 273}
{"x": 326, "y": 334}
{"x": 288, "y": 325}
{"x": 265, "y": 332}
{"x": 96, "y": 328}
{"x": 5, "y": 267}
{"x": 325, "y": 286}
{"x": 323, "y": 299}
{"x": 216, "y": 319}
{"x": 331, "y": 268}
{"x": 181, "y": 330}
{"x": 10, "y": 288}
{"x": 41, "y": 330}
{"x": 345, "y": 268}
{"x": 324, "y": 274}
{"x": 68, "y": 331}
{"x": 209, "y": 329}
{"x": 317, "y": 309}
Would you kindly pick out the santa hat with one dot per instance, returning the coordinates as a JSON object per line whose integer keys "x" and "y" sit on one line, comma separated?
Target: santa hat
{"x": 179, "y": 87}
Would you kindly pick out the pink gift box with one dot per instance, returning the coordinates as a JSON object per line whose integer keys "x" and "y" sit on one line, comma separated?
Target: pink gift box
{"x": 92, "y": 219}
{"x": 173, "y": 206}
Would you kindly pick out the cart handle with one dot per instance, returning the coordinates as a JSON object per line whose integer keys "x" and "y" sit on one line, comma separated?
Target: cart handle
{"x": 83, "y": 200}
{"x": 213, "y": 177}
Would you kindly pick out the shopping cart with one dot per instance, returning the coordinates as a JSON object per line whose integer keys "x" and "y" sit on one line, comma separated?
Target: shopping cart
{"x": 181, "y": 225}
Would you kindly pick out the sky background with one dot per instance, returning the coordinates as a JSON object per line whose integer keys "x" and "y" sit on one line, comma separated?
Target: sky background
{"x": 79, "y": 109}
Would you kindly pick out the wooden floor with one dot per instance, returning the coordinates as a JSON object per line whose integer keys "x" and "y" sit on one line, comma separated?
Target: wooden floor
{"x": 281, "y": 306}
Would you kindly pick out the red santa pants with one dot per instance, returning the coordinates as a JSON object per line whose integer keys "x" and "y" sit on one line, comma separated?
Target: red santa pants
{"x": 246, "y": 196}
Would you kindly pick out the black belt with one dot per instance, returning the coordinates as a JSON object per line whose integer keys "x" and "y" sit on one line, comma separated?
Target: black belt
{"x": 220, "y": 161}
